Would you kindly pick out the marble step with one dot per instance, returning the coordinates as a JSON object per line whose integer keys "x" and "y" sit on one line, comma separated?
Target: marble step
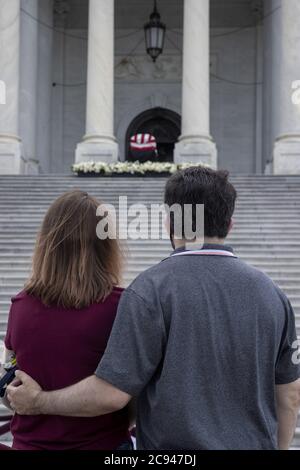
{"x": 11, "y": 268}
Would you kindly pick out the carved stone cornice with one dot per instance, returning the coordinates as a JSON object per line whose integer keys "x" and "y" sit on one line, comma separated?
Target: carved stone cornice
{"x": 140, "y": 67}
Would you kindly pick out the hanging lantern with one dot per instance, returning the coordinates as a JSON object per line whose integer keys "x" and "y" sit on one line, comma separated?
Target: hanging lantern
{"x": 154, "y": 34}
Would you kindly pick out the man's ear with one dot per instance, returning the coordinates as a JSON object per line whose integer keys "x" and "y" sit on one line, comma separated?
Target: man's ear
{"x": 231, "y": 225}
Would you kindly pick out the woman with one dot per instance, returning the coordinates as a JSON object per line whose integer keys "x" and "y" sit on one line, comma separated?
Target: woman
{"x": 59, "y": 324}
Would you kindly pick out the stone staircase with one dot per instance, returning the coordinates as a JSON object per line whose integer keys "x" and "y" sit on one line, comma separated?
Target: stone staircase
{"x": 266, "y": 232}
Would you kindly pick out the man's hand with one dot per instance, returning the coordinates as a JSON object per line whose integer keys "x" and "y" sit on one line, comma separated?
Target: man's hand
{"x": 23, "y": 394}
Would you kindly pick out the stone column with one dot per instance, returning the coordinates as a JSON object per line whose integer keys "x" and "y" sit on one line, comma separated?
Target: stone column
{"x": 28, "y": 85}
{"x": 282, "y": 18}
{"x": 11, "y": 161}
{"x": 195, "y": 143}
{"x": 99, "y": 143}
{"x": 61, "y": 11}
{"x": 44, "y": 86}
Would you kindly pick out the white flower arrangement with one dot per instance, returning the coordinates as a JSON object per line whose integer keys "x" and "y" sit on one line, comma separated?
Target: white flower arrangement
{"x": 134, "y": 168}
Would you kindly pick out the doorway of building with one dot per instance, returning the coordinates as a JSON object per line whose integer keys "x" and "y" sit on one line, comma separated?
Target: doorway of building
{"x": 164, "y": 124}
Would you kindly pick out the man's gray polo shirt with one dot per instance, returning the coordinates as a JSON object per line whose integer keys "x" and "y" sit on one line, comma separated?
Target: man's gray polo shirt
{"x": 201, "y": 341}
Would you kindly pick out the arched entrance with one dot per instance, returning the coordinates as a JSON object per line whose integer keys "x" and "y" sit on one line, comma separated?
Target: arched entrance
{"x": 164, "y": 124}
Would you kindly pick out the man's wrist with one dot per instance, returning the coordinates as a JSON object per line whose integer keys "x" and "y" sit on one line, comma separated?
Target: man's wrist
{"x": 41, "y": 402}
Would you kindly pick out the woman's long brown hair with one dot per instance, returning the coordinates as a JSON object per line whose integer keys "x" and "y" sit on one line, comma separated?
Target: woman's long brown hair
{"x": 72, "y": 267}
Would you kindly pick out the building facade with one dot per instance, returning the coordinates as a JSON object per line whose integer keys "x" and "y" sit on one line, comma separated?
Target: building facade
{"x": 78, "y": 83}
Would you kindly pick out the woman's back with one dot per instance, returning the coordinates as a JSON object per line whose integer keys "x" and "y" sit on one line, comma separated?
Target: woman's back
{"x": 58, "y": 347}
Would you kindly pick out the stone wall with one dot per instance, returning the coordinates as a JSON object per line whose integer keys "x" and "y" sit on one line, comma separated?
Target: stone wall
{"x": 140, "y": 85}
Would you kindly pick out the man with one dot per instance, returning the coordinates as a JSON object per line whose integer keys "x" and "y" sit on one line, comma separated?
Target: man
{"x": 202, "y": 340}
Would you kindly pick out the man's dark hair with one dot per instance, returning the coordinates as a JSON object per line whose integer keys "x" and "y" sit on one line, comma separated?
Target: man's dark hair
{"x": 200, "y": 185}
